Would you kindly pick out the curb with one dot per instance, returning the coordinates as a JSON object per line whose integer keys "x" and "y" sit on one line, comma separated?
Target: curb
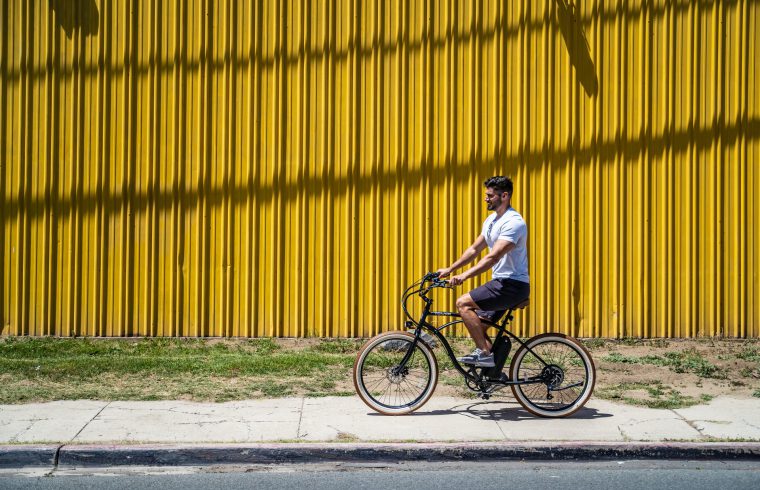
{"x": 219, "y": 454}
{"x": 23, "y": 455}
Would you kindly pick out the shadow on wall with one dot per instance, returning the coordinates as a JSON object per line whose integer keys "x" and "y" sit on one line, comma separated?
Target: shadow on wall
{"x": 76, "y": 14}
{"x": 577, "y": 47}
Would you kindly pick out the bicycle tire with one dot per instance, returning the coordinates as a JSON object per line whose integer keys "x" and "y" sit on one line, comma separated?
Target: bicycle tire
{"x": 392, "y": 393}
{"x": 572, "y": 365}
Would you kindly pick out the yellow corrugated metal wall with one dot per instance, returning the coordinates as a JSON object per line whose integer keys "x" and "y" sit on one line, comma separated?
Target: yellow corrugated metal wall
{"x": 216, "y": 168}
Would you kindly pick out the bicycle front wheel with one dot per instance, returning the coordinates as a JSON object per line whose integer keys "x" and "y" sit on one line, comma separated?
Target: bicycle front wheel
{"x": 558, "y": 372}
{"x": 384, "y": 384}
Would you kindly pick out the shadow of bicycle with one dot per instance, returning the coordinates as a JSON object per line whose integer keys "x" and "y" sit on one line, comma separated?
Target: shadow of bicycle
{"x": 494, "y": 410}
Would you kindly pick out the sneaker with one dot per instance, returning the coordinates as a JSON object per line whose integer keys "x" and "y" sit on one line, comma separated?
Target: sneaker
{"x": 470, "y": 358}
{"x": 478, "y": 358}
{"x": 484, "y": 360}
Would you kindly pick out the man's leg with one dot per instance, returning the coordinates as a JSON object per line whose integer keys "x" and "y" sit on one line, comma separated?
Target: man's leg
{"x": 467, "y": 307}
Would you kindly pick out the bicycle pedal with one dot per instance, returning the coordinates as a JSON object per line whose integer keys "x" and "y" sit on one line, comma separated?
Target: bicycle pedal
{"x": 484, "y": 396}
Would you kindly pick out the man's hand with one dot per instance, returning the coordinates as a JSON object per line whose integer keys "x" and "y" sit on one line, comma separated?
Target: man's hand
{"x": 458, "y": 279}
{"x": 443, "y": 272}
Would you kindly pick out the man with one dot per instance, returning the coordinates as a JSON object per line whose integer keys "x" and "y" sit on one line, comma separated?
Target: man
{"x": 505, "y": 234}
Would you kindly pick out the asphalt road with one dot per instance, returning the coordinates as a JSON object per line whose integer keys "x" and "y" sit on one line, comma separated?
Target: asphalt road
{"x": 616, "y": 474}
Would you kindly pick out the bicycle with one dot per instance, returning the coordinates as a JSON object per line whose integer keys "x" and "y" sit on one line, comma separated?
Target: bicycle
{"x": 395, "y": 373}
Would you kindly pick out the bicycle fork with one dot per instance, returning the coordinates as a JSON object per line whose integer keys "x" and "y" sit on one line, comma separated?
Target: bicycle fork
{"x": 417, "y": 333}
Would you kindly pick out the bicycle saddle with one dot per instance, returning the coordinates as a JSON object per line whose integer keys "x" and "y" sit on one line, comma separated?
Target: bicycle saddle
{"x": 522, "y": 305}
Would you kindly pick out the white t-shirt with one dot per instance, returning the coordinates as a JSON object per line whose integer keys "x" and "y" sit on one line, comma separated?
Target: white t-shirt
{"x": 510, "y": 227}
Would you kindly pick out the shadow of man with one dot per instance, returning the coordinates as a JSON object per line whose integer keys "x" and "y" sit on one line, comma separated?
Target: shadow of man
{"x": 494, "y": 410}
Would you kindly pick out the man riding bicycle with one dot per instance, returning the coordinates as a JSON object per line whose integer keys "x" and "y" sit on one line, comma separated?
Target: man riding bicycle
{"x": 505, "y": 234}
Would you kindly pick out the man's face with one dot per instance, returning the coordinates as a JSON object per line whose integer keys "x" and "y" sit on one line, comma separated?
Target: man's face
{"x": 494, "y": 198}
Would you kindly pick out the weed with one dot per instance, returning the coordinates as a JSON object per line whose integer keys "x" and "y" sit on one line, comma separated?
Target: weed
{"x": 655, "y": 390}
{"x": 338, "y": 346}
{"x": 659, "y": 396}
{"x": 689, "y": 360}
{"x": 594, "y": 343}
{"x": 692, "y": 361}
{"x": 444, "y": 363}
{"x": 630, "y": 341}
{"x": 653, "y": 360}
{"x": 674, "y": 400}
{"x": 318, "y": 394}
{"x": 263, "y": 346}
{"x": 327, "y": 384}
{"x": 620, "y": 358}
{"x": 705, "y": 397}
{"x": 750, "y": 353}
{"x": 756, "y": 393}
{"x": 615, "y": 392}
{"x": 659, "y": 343}
{"x": 346, "y": 437}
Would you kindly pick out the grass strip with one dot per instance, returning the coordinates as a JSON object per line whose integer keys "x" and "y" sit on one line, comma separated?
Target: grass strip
{"x": 689, "y": 360}
{"x": 150, "y": 369}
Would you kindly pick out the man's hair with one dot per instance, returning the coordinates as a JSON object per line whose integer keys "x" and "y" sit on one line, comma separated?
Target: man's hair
{"x": 500, "y": 183}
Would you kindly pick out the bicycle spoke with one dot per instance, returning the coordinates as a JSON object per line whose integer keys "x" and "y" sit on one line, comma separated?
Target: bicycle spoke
{"x": 389, "y": 384}
{"x": 559, "y": 356}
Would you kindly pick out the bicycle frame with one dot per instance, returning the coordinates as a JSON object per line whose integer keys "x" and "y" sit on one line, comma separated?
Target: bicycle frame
{"x": 423, "y": 325}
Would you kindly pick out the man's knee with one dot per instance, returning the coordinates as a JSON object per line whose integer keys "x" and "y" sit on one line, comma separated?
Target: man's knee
{"x": 465, "y": 302}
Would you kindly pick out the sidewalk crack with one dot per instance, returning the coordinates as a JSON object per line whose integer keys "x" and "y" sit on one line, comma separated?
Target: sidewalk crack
{"x": 31, "y": 422}
{"x": 300, "y": 418}
{"x": 492, "y": 416}
{"x": 623, "y": 434}
{"x": 90, "y": 421}
{"x": 689, "y": 422}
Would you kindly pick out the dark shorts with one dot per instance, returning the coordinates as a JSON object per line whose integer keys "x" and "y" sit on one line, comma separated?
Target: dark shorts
{"x": 496, "y": 296}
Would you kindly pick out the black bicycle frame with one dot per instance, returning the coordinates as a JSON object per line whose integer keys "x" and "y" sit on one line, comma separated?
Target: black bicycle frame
{"x": 422, "y": 324}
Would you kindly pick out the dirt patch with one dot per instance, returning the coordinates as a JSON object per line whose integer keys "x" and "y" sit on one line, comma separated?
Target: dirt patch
{"x": 676, "y": 373}
{"x": 655, "y": 373}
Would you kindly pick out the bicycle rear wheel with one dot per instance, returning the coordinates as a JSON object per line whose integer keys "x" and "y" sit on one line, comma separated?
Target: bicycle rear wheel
{"x": 384, "y": 385}
{"x": 566, "y": 372}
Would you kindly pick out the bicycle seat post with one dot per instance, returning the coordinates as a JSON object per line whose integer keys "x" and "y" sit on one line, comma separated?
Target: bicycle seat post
{"x": 508, "y": 318}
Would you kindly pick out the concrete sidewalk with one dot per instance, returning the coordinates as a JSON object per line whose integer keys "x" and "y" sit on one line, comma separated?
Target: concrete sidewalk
{"x": 346, "y": 419}
{"x": 341, "y": 420}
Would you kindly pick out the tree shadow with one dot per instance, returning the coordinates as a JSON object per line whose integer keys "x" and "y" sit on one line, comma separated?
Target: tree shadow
{"x": 76, "y": 14}
{"x": 577, "y": 46}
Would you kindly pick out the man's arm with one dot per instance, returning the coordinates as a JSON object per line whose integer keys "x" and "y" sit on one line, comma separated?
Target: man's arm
{"x": 500, "y": 248}
{"x": 467, "y": 256}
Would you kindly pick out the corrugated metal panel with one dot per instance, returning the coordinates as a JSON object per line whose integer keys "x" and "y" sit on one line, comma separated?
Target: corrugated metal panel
{"x": 285, "y": 168}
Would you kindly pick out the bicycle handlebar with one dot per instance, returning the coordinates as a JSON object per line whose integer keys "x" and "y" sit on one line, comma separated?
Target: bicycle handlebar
{"x": 436, "y": 283}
